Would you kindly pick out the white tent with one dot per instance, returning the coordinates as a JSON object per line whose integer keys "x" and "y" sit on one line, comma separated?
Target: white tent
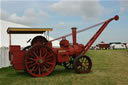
{"x": 117, "y": 46}
{"x": 17, "y": 39}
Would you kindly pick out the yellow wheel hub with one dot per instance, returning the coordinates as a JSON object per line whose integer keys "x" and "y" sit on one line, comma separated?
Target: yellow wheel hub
{"x": 83, "y": 64}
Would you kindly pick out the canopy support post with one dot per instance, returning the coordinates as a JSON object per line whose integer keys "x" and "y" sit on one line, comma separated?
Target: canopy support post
{"x": 10, "y": 42}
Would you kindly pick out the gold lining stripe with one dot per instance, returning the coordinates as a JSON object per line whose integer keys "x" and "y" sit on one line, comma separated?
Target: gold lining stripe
{"x": 61, "y": 51}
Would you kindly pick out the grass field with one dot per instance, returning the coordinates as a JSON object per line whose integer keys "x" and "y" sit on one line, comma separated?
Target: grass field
{"x": 110, "y": 67}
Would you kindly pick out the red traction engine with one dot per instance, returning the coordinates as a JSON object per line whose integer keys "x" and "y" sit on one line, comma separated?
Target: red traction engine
{"x": 40, "y": 58}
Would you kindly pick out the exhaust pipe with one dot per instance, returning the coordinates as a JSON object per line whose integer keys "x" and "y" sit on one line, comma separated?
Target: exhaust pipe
{"x": 74, "y": 35}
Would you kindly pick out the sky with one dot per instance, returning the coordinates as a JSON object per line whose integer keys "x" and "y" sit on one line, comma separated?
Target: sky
{"x": 62, "y": 15}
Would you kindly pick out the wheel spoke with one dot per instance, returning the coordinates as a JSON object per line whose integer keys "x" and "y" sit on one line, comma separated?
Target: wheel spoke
{"x": 79, "y": 67}
{"x": 32, "y": 58}
{"x": 36, "y": 68}
{"x": 39, "y": 70}
{"x": 49, "y": 63}
{"x": 45, "y": 54}
{"x": 83, "y": 69}
{"x": 68, "y": 64}
{"x": 48, "y": 59}
{"x": 45, "y": 69}
{"x": 42, "y": 68}
{"x": 29, "y": 62}
{"x": 40, "y": 52}
{"x": 50, "y": 56}
{"x": 82, "y": 58}
{"x": 86, "y": 67}
{"x": 31, "y": 65}
{"x": 43, "y": 50}
{"x": 87, "y": 64}
{"x": 35, "y": 54}
{"x": 31, "y": 55}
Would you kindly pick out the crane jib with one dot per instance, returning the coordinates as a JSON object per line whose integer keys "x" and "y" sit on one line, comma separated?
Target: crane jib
{"x": 82, "y": 30}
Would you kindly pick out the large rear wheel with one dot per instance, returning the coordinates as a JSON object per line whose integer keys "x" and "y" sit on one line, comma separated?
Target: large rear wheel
{"x": 40, "y": 61}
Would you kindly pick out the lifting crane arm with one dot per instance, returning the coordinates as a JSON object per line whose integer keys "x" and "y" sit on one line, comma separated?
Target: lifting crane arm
{"x": 77, "y": 31}
{"x": 96, "y": 35}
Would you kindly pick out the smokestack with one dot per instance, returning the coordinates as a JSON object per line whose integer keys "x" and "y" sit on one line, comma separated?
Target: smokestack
{"x": 74, "y": 35}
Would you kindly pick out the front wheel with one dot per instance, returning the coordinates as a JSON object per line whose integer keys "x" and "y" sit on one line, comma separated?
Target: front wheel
{"x": 69, "y": 65}
{"x": 82, "y": 64}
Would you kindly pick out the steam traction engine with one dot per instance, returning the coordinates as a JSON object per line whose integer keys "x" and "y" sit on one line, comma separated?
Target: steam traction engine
{"x": 40, "y": 58}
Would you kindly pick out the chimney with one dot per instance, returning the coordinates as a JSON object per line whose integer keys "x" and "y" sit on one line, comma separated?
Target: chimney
{"x": 74, "y": 35}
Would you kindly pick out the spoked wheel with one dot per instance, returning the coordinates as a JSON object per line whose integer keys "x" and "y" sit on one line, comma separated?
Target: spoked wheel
{"x": 69, "y": 65}
{"x": 40, "y": 61}
{"x": 82, "y": 64}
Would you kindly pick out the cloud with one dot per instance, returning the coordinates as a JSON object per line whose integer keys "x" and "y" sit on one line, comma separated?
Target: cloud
{"x": 60, "y": 25}
{"x": 123, "y": 6}
{"x": 30, "y": 17}
{"x": 124, "y": 2}
{"x": 85, "y": 8}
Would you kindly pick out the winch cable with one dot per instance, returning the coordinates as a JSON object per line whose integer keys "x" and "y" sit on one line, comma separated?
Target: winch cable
{"x": 85, "y": 29}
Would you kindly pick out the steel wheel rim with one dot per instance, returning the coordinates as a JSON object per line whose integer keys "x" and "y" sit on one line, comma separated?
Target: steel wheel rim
{"x": 40, "y": 61}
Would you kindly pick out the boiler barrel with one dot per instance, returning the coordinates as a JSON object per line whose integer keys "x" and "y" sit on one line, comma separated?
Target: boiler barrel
{"x": 76, "y": 50}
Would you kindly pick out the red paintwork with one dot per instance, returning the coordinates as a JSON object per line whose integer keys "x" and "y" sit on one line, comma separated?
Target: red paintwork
{"x": 64, "y": 52}
{"x": 92, "y": 40}
{"x": 74, "y": 35}
{"x": 16, "y": 55}
{"x": 40, "y": 62}
{"x": 12, "y": 49}
{"x": 62, "y": 55}
{"x": 64, "y": 43}
{"x": 103, "y": 46}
